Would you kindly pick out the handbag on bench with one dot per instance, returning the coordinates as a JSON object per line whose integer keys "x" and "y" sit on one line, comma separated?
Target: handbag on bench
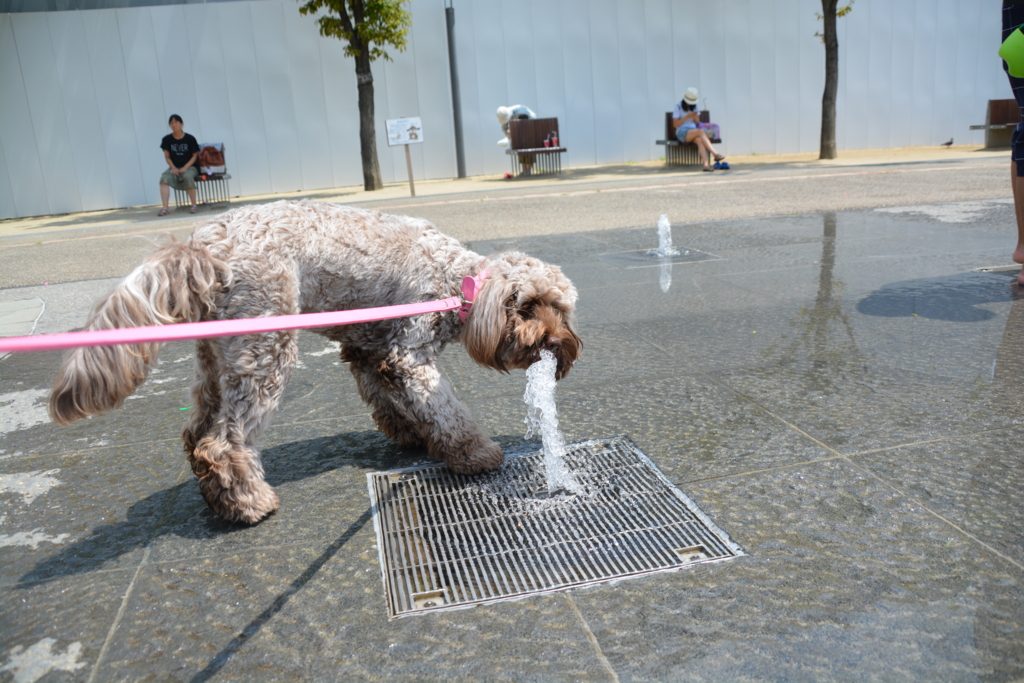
{"x": 211, "y": 158}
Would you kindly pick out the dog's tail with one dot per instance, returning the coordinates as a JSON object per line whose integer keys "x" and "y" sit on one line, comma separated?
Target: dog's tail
{"x": 177, "y": 283}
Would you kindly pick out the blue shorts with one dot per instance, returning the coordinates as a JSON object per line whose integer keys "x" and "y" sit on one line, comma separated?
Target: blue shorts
{"x": 1013, "y": 16}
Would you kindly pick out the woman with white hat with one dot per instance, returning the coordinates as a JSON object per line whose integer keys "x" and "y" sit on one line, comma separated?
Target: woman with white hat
{"x": 685, "y": 118}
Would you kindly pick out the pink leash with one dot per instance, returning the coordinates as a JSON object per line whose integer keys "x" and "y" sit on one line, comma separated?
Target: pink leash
{"x": 227, "y": 328}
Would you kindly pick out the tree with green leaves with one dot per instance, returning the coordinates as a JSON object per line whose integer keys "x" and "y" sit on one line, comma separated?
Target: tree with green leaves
{"x": 830, "y": 12}
{"x": 367, "y": 26}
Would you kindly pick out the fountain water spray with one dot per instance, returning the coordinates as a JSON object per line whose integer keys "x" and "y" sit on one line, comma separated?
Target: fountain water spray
{"x": 665, "y": 238}
{"x": 665, "y": 252}
{"x": 542, "y": 419}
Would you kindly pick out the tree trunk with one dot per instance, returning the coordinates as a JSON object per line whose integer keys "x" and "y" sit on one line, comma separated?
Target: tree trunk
{"x": 828, "y": 100}
{"x": 367, "y": 131}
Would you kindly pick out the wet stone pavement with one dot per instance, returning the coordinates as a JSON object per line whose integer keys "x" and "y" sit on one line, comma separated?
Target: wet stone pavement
{"x": 842, "y": 393}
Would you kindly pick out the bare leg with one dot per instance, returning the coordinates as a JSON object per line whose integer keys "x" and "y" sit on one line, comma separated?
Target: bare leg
{"x": 1017, "y": 183}
{"x": 192, "y": 195}
{"x": 700, "y": 138}
{"x": 165, "y": 193}
{"x": 707, "y": 144}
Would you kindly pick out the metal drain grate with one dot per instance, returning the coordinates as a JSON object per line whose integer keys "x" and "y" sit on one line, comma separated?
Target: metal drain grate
{"x": 644, "y": 258}
{"x": 449, "y": 541}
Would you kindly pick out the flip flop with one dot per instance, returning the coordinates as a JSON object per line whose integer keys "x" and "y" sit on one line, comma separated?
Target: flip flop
{"x": 194, "y": 209}
{"x": 719, "y": 157}
{"x": 163, "y": 212}
{"x": 709, "y": 169}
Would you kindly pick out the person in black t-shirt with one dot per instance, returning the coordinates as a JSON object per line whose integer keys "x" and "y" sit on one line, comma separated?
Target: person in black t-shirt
{"x": 181, "y": 152}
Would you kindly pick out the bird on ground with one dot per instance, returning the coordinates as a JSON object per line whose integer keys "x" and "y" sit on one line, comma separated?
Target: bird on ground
{"x": 947, "y": 144}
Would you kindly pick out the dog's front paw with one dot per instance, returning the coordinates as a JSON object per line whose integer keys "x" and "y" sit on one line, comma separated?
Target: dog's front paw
{"x": 476, "y": 457}
{"x": 245, "y": 502}
{"x": 231, "y": 481}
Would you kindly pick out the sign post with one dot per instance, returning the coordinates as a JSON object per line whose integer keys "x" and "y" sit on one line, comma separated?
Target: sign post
{"x": 405, "y": 131}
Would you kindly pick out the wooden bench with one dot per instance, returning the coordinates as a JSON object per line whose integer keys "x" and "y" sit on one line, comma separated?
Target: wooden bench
{"x": 682, "y": 153}
{"x": 211, "y": 188}
{"x": 527, "y": 149}
{"x": 1001, "y": 118}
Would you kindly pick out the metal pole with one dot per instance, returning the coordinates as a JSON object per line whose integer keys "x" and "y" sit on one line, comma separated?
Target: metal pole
{"x": 460, "y": 155}
{"x": 408, "y": 165}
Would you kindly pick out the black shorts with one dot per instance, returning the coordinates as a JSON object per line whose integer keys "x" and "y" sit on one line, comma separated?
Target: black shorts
{"x": 1013, "y": 16}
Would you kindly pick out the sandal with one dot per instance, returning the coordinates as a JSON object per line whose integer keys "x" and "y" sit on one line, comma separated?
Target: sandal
{"x": 719, "y": 157}
{"x": 709, "y": 169}
{"x": 194, "y": 209}
{"x": 163, "y": 212}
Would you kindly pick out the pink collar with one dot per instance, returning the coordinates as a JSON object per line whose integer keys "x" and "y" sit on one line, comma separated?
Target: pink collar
{"x": 471, "y": 286}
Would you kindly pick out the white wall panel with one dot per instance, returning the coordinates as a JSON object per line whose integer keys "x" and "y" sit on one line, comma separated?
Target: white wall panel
{"x": 202, "y": 24}
{"x": 276, "y": 96}
{"x": 250, "y": 161}
{"x": 42, "y": 89}
{"x": 687, "y": 29}
{"x": 812, "y": 74}
{"x": 114, "y": 108}
{"x": 945, "y": 106}
{"x": 923, "y": 78}
{"x": 968, "y": 17}
{"x": 604, "y": 58}
{"x": 340, "y": 100}
{"x": 787, "y": 77}
{"x": 579, "y": 127}
{"x": 762, "y": 42}
{"x": 256, "y": 75}
{"x": 92, "y": 172}
{"x": 149, "y": 112}
{"x": 401, "y": 100}
{"x": 635, "y": 113}
{"x": 491, "y": 81}
{"x": 7, "y": 206}
{"x": 174, "y": 61}
{"x": 879, "y": 92}
{"x": 520, "y": 72}
{"x": 310, "y": 106}
{"x": 430, "y": 38}
{"x": 739, "y": 96}
{"x": 661, "y": 90}
{"x": 901, "y": 77}
{"x": 854, "y": 100}
{"x": 474, "y": 119}
{"x": 24, "y": 172}
{"x": 548, "y": 69}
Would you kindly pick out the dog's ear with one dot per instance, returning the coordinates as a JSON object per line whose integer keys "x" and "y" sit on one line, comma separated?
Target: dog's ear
{"x": 488, "y": 326}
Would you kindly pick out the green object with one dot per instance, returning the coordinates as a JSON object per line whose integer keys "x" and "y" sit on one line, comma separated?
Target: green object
{"x": 185, "y": 408}
{"x": 1012, "y": 50}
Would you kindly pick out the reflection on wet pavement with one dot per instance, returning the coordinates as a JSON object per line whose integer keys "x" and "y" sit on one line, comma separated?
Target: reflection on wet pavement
{"x": 843, "y": 393}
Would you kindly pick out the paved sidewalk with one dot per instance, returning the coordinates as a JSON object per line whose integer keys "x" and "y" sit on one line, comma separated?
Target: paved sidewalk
{"x": 841, "y": 389}
{"x": 145, "y": 216}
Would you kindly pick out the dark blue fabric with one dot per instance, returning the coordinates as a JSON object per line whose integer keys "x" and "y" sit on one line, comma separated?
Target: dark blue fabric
{"x": 1013, "y": 16}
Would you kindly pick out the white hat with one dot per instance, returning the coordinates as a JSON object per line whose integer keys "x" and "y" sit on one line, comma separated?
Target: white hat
{"x": 690, "y": 96}
{"x": 504, "y": 114}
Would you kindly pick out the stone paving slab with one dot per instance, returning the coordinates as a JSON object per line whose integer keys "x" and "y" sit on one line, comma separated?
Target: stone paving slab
{"x": 846, "y": 580}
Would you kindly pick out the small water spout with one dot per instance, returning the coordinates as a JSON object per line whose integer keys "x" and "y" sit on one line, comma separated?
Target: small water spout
{"x": 665, "y": 238}
{"x": 542, "y": 419}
